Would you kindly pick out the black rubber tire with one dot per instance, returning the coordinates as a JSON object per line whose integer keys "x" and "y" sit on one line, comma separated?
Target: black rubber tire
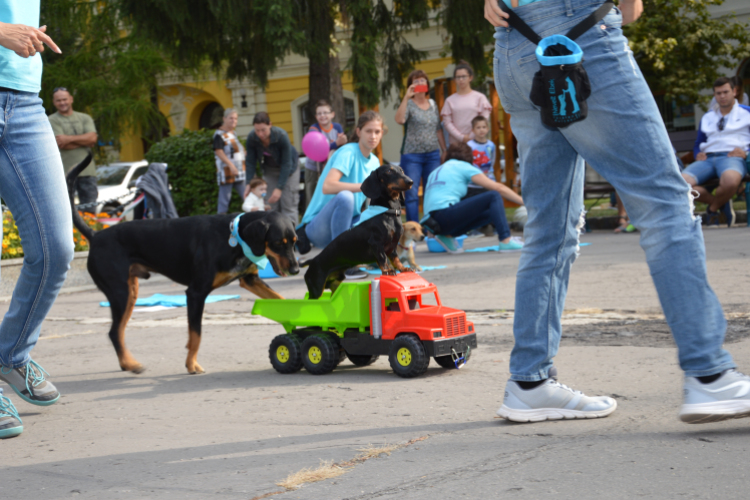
{"x": 418, "y": 359}
{"x": 293, "y": 347}
{"x": 363, "y": 359}
{"x": 446, "y": 362}
{"x": 342, "y": 356}
{"x": 328, "y": 353}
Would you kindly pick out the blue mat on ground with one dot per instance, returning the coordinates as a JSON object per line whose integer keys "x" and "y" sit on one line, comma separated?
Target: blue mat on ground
{"x": 496, "y": 248}
{"x": 424, "y": 268}
{"x": 158, "y": 299}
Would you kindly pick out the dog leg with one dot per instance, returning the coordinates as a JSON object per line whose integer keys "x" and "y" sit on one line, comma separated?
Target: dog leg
{"x": 396, "y": 262}
{"x": 195, "y": 304}
{"x": 412, "y": 260}
{"x": 117, "y": 333}
{"x": 252, "y": 283}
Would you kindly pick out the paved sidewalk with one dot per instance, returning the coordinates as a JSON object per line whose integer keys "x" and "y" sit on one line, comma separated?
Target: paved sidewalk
{"x": 239, "y": 429}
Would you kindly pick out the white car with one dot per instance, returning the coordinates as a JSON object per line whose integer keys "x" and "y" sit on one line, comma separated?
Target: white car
{"x": 116, "y": 182}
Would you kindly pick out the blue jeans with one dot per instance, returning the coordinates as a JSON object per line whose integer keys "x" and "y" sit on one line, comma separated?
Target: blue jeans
{"x": 417, "y": 166}
{"x": 714, "y": 167}
{"x": 225, "y": 195}
{"x": 32, "y": 184}
{"x": 335, "y": 218}
{"x": 640, "y": 165}
{"x": 471, "y": 213}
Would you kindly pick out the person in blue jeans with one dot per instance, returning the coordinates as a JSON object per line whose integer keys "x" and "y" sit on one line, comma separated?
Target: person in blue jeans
{"x": 423, "y": 137}
{"x": 625, "y": 140}
{"x": 448, "y": 215}
{"x": 32, "y": 184}
{"x": 337, "y": 202}
{"x": 720, "y": 150}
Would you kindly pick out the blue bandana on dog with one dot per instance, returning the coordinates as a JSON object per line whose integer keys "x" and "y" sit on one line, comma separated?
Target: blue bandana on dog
{"x": 374, "y": 211}
{"x": 260, "y": 261}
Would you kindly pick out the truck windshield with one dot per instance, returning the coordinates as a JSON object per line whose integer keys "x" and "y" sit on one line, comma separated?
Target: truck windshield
{"x": 421, "y": 301}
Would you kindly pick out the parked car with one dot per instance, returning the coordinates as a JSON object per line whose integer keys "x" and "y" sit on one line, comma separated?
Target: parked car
{"x": 116, "y": 182}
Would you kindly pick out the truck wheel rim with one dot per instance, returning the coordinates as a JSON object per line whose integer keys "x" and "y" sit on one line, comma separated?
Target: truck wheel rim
{"x": 404, "y": 356}
{"x": 282, "y": 353}
{"x": 315, "y": 355}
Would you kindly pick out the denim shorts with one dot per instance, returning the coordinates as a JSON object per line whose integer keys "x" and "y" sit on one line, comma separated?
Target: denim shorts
{"x": 714, "y": 167}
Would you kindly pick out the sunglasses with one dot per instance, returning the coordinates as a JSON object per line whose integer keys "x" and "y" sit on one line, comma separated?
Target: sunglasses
{"x": 56, "y": 89}
{"x": 722, "y": 123}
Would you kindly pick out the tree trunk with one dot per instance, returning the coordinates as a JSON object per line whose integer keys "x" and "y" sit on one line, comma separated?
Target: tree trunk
{"x": 319, "y": 40}
{"x": 337, "y": 90}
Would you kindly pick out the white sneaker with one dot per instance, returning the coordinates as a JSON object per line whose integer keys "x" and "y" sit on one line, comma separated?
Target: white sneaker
{"x": 723, "y": 399}
{"x": 551, "y": 401}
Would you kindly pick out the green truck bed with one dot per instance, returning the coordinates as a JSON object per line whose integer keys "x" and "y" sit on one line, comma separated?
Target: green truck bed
{"x": 349, "y": 307}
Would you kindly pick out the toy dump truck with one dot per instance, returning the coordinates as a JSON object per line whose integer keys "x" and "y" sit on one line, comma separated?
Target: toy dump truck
{"x": 400, "y": 316}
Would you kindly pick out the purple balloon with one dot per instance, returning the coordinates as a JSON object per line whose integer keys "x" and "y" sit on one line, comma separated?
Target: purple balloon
{"x": 315, "y": 146}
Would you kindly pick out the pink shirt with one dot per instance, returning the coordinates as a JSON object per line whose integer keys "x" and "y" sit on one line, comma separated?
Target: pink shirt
{"x": 459, "y": 110}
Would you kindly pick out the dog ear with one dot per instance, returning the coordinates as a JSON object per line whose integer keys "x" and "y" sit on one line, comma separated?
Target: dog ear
{"x": 371, "y": 187}
{"x": 254, "y": 235}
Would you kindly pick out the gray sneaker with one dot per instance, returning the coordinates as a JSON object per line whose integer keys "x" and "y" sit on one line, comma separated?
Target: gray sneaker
{"x": 725, "y": 398}
{"x": 30, "y": 384}
{"x": 552, "y": 401}
{"x": 10, "y": 422}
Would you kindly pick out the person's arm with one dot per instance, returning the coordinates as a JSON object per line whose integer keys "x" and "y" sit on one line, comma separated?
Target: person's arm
{"x": 333, "y": 184}
{"x": 631, "y": 10}
{"x": 76, "y": 141}
{"x": 448, "y": 123}
{"x": 24, "y": 40}
{"x": 699, "y": 139}
{"x": 225, "y": 159}
{"x": 402, "y": 113}
{"x": 340, "y": 138}
{"x": 251, "y": 158}
{"x": 487, "y": 183}
{"x": 286, "y": 167}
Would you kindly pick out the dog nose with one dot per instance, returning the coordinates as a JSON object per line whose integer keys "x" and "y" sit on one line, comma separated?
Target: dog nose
{"x": 409, "y": 182}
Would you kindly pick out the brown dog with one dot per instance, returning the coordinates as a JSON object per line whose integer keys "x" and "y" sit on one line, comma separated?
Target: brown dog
{"x": 412, "y": 233}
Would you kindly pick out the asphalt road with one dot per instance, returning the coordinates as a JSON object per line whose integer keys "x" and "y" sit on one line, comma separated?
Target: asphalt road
{"x": 239, "y": 429}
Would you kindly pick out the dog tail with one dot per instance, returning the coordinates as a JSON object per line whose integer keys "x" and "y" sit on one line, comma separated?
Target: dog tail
{"x": 70, "y": 179}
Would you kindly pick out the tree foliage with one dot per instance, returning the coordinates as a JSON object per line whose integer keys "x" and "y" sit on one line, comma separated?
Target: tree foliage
{"x": 111, "y": 74}
{"x": 470, "y": 34}
{"x": 681, "y": 50}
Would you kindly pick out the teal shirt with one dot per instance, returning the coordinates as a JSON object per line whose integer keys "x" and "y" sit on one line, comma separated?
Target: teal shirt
{"x": 347, "y": 159}
{"x": 447, "y": 185}
{"x": 521, "y": 3}
{"x": 16, "y": 72}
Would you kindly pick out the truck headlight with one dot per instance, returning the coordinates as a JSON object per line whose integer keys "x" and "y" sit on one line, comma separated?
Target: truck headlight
{"x": 437, "y": 333}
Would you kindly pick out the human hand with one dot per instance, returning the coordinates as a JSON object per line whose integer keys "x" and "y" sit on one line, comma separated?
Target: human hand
{"x": 466, "y": 138}
{"x": 275, "y": 196}
{"x": 341, "y": 140}
{"x": 631, "y": 10}
{"x": 268, "y": 207}
{"x": 247, "y": 191}
{"x": 410, "y": 91}
{"x": 233, "y": 170}
{"x": 701, "y": 157}
{"x": 494, "y": 14}
{"x": 62, "y": 141}
{"x": 737, "y": 153}
{"x": 25, "y": 40}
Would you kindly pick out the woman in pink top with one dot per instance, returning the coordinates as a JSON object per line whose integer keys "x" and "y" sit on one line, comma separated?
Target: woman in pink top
{"x": 463, "y": 106}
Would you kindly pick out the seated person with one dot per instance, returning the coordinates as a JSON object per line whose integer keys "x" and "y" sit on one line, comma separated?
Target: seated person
{"x": 337, "y": 202}
{"x": 720, "y": 150}
{"x": 447, "y": 215}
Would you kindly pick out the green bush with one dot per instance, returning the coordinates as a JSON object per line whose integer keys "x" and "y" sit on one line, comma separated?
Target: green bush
{"x": 192, "y": 172}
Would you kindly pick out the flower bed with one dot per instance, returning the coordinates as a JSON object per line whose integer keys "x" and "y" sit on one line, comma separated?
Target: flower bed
{"x": 11, "y": 246}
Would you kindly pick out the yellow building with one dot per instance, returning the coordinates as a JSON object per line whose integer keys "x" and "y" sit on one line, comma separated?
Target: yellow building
{"x": 196, "y": 104}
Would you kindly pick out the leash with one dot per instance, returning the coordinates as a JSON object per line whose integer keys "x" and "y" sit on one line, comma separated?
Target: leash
{"x": 235, "y": 238}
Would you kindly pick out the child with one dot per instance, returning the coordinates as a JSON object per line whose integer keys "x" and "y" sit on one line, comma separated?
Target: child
{"x": 335, "y": 132}
{"x": 483, "y": 152}
{"x": 255, "y": 201}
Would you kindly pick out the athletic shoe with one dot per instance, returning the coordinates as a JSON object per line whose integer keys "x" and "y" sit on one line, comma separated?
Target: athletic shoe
{"x": 448, "y": 243}
{"x": 10, "y": 422}
{"x": 29, "y": 383}
{"x": 725, "y": 398}
{"x": 303, "y": 244}
{"x": 728, "y": 211}
{"x": 513, "y": 245}
{"x": 551, "y": 401}
{"x": 711, "y": 218}
{"x": 355, "y": 273}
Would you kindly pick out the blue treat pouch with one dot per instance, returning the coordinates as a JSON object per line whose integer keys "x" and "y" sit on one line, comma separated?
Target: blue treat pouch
{"x": 561, "y": 86}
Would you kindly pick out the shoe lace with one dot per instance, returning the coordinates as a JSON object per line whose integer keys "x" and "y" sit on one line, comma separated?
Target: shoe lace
{"x": 7, "y": 408}
{"x": 563, "y": 386}
{"x": 34, "y": 374}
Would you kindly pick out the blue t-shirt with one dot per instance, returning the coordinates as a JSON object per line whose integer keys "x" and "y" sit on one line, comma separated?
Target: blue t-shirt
{"x": 347, "y": 159}
{"x": 521, "y": 3}
{"x": 447, "y": 185}
{"x": 16, "y": 72}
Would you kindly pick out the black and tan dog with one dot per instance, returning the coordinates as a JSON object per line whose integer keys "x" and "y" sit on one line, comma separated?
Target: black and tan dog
{"x": 192, "y": 251}
{"x": 374, "y": 240}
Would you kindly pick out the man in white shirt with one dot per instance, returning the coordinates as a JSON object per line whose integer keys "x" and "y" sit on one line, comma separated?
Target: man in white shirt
{"x": 720, "y": 151}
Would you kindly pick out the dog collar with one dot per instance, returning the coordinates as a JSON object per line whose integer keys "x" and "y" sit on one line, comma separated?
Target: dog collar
{"x": 235, "y": 238}
{"x": 402, "y": 246}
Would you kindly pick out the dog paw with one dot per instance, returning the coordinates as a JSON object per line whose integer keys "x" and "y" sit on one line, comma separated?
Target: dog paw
{"x": 419, "y": 269}
{"x": 135, "y": 368}
{"x": 408, "y": 270}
